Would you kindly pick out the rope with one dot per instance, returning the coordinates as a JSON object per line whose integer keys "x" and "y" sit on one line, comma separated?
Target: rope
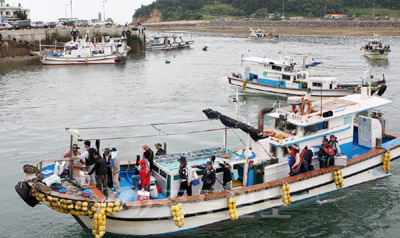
{"x": 142, "y": 125}
{"x": 145, "y": 136}
{"x": 239, "y": 137}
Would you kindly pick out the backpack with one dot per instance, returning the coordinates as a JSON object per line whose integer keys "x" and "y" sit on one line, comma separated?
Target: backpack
{"x": 90, "y": 160}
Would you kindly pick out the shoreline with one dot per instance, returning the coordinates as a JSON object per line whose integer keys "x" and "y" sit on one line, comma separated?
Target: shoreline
{"x": 315, "y": 28}
{"x": 16, "y": 60}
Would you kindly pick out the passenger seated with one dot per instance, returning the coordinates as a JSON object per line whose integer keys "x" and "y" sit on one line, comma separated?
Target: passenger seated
{"x": 143, "y": 176}
{"x": 325, "y": 154}
{"x": 295, "y": 161}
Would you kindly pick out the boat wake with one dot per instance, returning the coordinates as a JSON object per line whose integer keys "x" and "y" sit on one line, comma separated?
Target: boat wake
{"x": 330, "y": 200}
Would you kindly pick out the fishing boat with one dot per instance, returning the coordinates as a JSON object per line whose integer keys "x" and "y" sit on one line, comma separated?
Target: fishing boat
{"x": 260, "y": 34}
{"x": 168, "y": 41}
{"x": 260, "y": 170}
{"x": 279, "y": 77}
{"x": 374, "y": 49}
{"x": 84, "y": 52}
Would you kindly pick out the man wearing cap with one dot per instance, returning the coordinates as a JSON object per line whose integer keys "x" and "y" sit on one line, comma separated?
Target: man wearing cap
{"x": 185, "y": 175}
{"x": 100, "y": 167}
{"x": 227, "y": 177}
{"x": 149, "y": 155}
{"x": 209, "y": 178}
{"x": 75, "y": 151}
{"x": 160, "y": 150}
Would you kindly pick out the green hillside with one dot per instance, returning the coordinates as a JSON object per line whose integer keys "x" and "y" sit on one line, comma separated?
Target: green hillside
{"x": 198, "y": 9}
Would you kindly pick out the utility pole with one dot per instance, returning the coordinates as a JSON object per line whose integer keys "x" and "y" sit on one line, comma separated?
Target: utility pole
{"x": 66, "y": 5}
{"x": 71, "y": 8}
{"x": 104, "y": 11}
{"x": 283, "y": 8}
{"x": 373, "y": 9}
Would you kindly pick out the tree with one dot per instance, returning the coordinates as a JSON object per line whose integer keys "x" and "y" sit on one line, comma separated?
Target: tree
{"x": 22, "y": 15}
{"x": 261, "y": 13}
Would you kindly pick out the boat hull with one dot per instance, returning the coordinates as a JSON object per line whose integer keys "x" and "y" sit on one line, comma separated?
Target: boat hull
{"x": 154, "y": 219}
{"x": 252, "y": 87}
{"x": 376, "y": 54}
{"x": 80, "y": 60}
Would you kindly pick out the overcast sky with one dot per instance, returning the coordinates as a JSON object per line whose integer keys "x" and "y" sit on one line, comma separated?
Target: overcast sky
{"x": 50, "y": 10}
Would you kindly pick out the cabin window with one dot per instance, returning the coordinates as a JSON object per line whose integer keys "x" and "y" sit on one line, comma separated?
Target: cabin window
{"x": 285, "y": 126}
{"x": 177, "y": 177}
{"x": 163, "y": 174}
{"x": 314, "y": 84}
{"x": 289, "y": 69}
{"x": 308, "y": 130}
{"x": 156, "y": 169}
{"x": 278, "y": 68}
{"x": 286, "y": 77}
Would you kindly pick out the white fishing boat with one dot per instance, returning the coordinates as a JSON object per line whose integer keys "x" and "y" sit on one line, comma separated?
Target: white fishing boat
{"x": 168, "y": 41}
{"x": 279, "y": 77}
{"x": 84, "y": 52}
{"x": 374, "y": 49}
{"x": 260, "y": 172}
{"x": 256, "y": 34}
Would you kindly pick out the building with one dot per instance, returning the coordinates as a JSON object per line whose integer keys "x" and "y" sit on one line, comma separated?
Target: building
{"x": 10, "y": 13}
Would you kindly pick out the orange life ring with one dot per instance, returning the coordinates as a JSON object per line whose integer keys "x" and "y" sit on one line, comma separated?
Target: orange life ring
{"x": 294, "y": 109}
{"x": 309, "y": 107}
{"x": 270, "y": 133}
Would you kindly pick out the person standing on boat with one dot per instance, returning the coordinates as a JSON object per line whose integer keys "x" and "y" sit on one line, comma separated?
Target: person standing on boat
{"x": 209, "y": 178}
{"x": 142, "y": 176}
{"x": 325, "y": 154}
{"x": 186, "y": 176}
{"x": 107, "y": 157}
{"x": 334, "y": 144}
{"x": 160, "y": 150}
{"x": 227, "y": 177}
{"x": 115, "y": 168}
{"x": 295, "y": 160}
{"x": 89, "y": 159}
{"x": 75, "y": 151}
{"x": 149, "y": 155}
{"x": 100, "y": 167}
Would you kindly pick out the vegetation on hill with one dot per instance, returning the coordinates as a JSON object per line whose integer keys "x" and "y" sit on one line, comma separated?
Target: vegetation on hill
{"x": 196, "y": 9}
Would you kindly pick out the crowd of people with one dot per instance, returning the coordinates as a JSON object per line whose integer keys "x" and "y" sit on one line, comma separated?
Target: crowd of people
{"x": 300, "y": 162}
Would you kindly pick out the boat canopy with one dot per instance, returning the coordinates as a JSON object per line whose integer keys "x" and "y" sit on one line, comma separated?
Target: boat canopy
{"x": 284, "y": 61}
{"x": 330, "y": 109}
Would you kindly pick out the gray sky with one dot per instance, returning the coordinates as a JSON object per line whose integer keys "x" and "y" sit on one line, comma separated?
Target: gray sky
{"x": 50, "y": 10}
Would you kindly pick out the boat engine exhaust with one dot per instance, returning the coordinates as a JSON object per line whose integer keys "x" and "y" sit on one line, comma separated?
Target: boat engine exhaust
{"x": 261, "y": 117}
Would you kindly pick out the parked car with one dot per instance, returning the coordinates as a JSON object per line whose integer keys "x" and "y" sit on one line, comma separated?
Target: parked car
{"x": 22, "y": 25}
{"x": 37, "y": 24}
{"x": 83, "y": 23}
{"x": 50, "y": 24}
{"x": 5, "y": 26}
{"x": 61, "y": 24}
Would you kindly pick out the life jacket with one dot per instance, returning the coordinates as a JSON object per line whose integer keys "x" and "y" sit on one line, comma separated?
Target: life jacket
{"x": 90, "y": 159}
{"x": 207, "y": 178}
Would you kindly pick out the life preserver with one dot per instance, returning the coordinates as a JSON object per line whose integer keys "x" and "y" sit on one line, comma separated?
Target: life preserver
{"x": 309, "y": 107}
{"x": 294, "y": 109}
{"x": 270, "y": 133}
{"x": 128, "y": 33}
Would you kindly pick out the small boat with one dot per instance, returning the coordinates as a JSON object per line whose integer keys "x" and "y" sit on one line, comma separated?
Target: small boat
{"x": 260, "y": 34}
{"x": 261, "y": 175}
{"x": 168, "y": 41}
{"x": 279, "y": 77}
{"x": 374, "y": 49}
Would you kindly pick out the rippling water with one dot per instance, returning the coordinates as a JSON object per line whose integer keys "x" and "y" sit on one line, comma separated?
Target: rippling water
{"x": 38, "y": 102}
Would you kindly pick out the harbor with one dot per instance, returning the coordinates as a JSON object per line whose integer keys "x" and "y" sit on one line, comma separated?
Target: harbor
{"x": 35, "y": 117}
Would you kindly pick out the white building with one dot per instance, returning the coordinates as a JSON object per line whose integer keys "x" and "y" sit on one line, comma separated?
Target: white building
{"x": 10, "y": 13}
